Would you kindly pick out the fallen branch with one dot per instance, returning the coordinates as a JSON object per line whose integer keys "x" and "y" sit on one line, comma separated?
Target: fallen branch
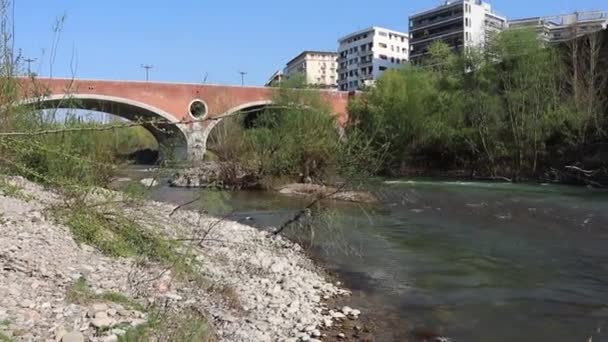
{"x": 302, "y": 212}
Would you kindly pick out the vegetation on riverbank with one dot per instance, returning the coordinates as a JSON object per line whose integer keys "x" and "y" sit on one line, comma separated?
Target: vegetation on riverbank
{"x": 518, "y": 110}
{"x": 298, "y": 139}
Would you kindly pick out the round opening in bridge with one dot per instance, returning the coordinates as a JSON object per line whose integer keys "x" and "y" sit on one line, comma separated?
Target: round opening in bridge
{"x": 198, "y": 109}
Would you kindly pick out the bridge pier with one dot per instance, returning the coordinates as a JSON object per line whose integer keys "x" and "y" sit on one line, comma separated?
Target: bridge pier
{"x": 197, "y": 141}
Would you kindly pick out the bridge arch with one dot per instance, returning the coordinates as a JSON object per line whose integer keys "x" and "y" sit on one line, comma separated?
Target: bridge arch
{"x": 129, "y": 109}
{"x": 249, "y": 106}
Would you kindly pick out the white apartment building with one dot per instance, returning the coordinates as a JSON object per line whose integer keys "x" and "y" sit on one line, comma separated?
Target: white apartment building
{"x": 559, "y": 28}
{"x": 320, "y": 68}
{"x": 459, "y": 23}
{"x": 365, "y": 55}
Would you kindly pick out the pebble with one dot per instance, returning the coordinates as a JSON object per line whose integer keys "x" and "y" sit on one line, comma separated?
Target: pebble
{"x": 341, "y": 335}
{"x": 338, "y": 315}
{"x": 72, "y": 337}
{"x": 101, "y": 323}
{"x": 110, "y": 338}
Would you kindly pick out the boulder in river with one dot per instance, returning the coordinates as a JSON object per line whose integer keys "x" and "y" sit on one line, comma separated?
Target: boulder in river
{"x": 223, "y": 175}
{"x": 329, "y": 192}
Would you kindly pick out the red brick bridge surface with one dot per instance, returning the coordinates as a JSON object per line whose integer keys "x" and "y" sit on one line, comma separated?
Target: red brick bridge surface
{"x": 170, "y": 101}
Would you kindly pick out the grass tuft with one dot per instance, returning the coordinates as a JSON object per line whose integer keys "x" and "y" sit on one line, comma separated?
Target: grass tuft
{"x": 4, "y": 338}
{"x": 186, "y": 325}
{"x": 117, "y": 235}
{"x": 9, "y": 189}
{"x": 80, "y": 293}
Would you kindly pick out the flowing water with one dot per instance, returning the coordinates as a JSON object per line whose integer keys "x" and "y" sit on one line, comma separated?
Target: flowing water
{"x": 472, "y": 261}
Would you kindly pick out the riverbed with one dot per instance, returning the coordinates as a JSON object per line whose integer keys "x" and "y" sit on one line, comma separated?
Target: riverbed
{"x": 471, "y": 261}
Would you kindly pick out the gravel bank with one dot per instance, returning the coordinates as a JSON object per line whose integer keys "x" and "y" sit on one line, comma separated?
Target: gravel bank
{"x": 257, "y": 287}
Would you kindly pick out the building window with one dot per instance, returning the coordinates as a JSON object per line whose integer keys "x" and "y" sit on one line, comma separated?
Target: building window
{"x": 382, "y": 45}
{"x": 404, "y": 50}
{"x": 392, "y": 59}
{"x": 383, "y": 57}
{"x": 382, "y": 68}
{"x": 382, "y": 34}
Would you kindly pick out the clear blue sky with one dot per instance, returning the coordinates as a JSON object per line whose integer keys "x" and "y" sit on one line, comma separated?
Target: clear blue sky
{"x": 184, "y": 39}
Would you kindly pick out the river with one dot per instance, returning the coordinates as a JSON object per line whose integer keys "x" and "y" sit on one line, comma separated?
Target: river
{"x": 472, "y": 261}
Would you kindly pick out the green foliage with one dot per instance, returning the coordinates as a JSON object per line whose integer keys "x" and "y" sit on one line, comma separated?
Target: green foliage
{"x": 4, "y": 338}
{"x": 9, "y": 189}
{"x": 494, "y": 111}
{"x": 116, "y": 234}
{"x": 187, "y": 325}
{"x": 80, "y": 293}
{"x": 297, "y": 138}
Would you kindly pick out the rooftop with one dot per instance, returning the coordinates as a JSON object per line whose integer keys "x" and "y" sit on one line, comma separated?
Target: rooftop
{"x": 566, "y": 19}
{"x": 316, "y": 52}
{"x": 449, "y": 3}
{"x": 372, "y": 29}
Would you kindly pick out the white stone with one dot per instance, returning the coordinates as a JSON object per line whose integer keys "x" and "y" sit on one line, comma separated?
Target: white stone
{"x": 341, "y": 335}
{"x": 310, "y": 328}
{"x": 137, "y": 322}
{"x": 101, "y": 315}
{"x": 118, "y": 332}
{"x": 346, "y": 310}
{"x": 338, "y": 315}
{"x": 149, "y": 182}
{"x": 101, "y": 323}
{"x": 95, "y": 308}
{"x": 110, "y": 338}
{"x": 73, "y": 337}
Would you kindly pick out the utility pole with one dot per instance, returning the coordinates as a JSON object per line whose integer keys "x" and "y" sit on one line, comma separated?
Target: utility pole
{"x": 29, "y": 62}
{"x": 147, "y": 67}
{"x": 243, "y": 73}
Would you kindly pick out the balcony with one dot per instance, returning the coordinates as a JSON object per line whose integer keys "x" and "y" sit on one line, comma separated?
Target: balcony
{"x": 435, "y": 23}
{"x": 437, "y": 36}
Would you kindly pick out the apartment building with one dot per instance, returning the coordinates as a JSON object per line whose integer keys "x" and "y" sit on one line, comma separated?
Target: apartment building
{"x": 320, "y": 68}
{"x": 559, "y": 28}
{"x": 459, "y": 23}
{"x": 275, "y": 79}
{"x": 365, "y": 55}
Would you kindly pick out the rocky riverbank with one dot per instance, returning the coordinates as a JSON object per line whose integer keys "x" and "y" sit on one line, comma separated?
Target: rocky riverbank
{"x": 251, "y": 286}
{"x": 232, "y": 176}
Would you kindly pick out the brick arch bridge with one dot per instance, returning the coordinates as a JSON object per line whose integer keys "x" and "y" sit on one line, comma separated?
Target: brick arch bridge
{"x": 171, "y": 102}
